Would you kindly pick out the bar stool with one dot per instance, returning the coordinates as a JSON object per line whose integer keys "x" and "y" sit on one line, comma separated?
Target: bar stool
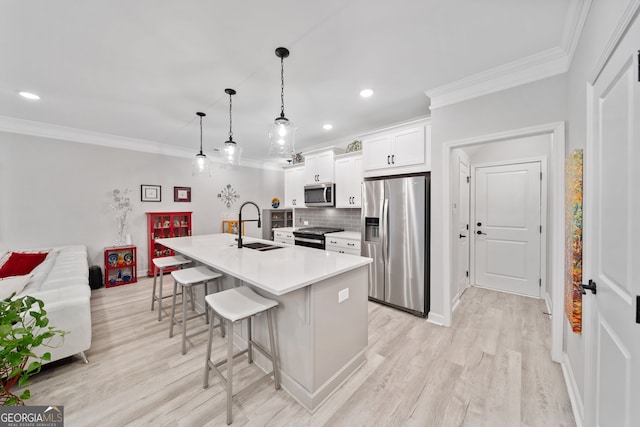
{"x": 187, "y": 278}
{"x": 233, "y": 305}
{"x": 159, "y": 265}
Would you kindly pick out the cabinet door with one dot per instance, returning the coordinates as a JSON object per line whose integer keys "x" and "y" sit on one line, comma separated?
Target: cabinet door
{"x": 344, "y": 182}
{"x": 325, "y": 167}
{"x": 294, "y": 188}
{"x": 348, "y": 174}
{"x": 356, "y": 182}
{"x": 311, "y": 169}
{"x": 408, "y": 147}
{"x": 376, "y": 152}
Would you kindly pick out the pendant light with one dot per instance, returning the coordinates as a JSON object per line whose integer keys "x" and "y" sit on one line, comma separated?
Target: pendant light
{"x": 230, "y": 151}
{"x": 282, "y": 131}
{"x": 201, "y": 166}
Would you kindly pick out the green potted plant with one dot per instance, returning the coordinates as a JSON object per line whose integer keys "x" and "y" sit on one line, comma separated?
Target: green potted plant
{"x": 24, "y": 326}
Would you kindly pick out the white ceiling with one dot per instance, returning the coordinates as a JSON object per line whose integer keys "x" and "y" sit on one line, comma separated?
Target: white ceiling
{"x": 142, "y": 68}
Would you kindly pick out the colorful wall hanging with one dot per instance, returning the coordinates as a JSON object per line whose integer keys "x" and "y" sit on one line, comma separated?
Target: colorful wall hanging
{"x": 573, "y": 237}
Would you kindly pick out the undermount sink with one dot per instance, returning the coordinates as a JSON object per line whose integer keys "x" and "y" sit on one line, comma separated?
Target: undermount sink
{"x": 262, "y": 247}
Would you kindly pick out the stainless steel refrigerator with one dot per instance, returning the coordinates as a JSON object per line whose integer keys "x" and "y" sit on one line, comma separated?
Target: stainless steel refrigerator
{"x": 395, "y": 220}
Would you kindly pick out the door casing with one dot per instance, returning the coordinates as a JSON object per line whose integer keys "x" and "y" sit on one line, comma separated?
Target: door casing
{"x": 543, "y": 218}
{"x": 556, "y": 233}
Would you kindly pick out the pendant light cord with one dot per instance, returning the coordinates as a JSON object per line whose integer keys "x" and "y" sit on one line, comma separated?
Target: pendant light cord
{"x": 230, "y": 120}
{"x": 281, "y": 87}
{"x": 200, "y": 135}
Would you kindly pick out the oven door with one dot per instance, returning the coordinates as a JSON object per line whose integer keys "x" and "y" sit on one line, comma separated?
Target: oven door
{"x": 316, "y": 242}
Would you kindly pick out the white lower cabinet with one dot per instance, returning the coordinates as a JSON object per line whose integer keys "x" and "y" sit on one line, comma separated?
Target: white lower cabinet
{"x": 283, "y": 237}
{"x": 342, "y": 245}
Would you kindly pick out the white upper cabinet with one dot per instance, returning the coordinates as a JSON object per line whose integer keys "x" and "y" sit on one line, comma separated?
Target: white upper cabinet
{"x": 319, "y": 167}
{"x": 294, "y": 187}
{"x": 348, "y": 172}
{"x": 405, "y": 149}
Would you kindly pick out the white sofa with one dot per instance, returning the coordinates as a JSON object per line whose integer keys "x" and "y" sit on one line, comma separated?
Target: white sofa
{"x": 62, "y": 282}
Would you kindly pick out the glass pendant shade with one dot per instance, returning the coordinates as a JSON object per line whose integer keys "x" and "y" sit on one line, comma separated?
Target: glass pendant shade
{"x": 230, "y": 152}
{"x": 281, "y": 134}
{"x": 201, "y": 165}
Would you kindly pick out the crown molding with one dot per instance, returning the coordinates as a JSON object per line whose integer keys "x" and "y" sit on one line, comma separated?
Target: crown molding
{"x": 526, "y": 70}
{"x": 577, "y": 16}
{"x": 529, "y": 69}
{"x": 66, "y": 133}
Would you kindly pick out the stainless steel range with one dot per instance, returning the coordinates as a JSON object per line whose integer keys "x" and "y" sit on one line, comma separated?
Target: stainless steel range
{"x": 313, "y": 237}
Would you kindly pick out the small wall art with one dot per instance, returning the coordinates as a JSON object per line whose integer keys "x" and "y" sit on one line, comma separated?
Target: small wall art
{"x": 573, "y": 236}
{"x": 181, "y": 194}
{"x": 150, "y": 193}
{"x": 228, "y": 195}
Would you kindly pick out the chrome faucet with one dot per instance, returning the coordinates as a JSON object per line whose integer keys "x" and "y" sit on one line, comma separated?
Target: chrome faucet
{"x": 240, "y": 221}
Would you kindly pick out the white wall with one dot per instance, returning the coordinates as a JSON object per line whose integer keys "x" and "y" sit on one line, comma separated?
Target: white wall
{"x": 55, "y": 192}
{"x": 533, "y": 104}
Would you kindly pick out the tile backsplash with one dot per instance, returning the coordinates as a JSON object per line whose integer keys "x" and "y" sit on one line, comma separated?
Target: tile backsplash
{"x": 349, "y": 219}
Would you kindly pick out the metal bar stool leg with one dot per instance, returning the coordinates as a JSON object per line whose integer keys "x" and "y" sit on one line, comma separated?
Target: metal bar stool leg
{"x": 160, "y": 294}
{"x": 173, "y": 307}
{"x": 274, "y": 351}
{"x": 249, "y": 338}
{"x": 206, "y": 312}
{"x": 229, "y": 371}
{"x": 184, "y": 318}
{"x": 153, "y": 295}
{"x": 209, "y": 344}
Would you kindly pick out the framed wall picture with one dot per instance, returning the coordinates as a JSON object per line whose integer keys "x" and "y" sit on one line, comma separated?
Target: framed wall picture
{"x": 150, "y": 193}
{"x": 181, "y": 194}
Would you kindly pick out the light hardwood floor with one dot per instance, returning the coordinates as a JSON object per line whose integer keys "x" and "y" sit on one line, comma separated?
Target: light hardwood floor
{"x": 491, "y": 368}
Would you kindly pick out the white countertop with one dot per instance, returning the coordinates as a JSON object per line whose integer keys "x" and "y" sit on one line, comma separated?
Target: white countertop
{"x": 277, "y": 271}
{"x": 352, "y": 235}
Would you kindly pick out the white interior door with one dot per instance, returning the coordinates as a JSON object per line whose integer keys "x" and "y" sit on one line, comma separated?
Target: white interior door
{"x": 507, "y": 228}
{"x": 462, "y": 237}
{"x": 610, "y": 317}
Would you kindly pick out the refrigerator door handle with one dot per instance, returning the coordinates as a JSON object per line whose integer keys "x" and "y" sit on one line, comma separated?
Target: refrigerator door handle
{"x": 385, "y": 227}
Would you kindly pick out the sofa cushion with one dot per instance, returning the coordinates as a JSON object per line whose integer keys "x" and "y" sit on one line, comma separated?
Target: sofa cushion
{"x": 9, "y": 285}
{"x": 21, "y": 263}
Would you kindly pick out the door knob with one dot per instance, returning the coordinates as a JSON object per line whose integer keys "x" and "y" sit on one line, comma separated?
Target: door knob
{"x": 479, "y": 224}
{"x": 480, "y": 232}
{"x": 591, "y": 286}
{"x": 462, "y": 236}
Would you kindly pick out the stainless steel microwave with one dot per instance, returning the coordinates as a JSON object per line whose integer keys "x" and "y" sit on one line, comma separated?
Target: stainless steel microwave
{"x": 320, "y": 194}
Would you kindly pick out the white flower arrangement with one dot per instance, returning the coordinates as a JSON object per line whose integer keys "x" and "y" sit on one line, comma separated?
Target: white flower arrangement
{"x": 121, "y": 205}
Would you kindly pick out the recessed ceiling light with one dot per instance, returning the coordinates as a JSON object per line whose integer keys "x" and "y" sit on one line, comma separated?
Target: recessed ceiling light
{"x": 29, "y": 95}
{"x": 328, "y": 126}
{"x": 366, "y": 93}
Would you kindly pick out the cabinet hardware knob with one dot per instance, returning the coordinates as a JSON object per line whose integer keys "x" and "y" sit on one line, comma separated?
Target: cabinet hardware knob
{"x": 393, "y": 159}
{"x": 388, "y": 160}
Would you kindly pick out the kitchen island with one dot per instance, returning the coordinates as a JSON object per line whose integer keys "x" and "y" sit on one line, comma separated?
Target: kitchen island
{"x": 321, "y": 320}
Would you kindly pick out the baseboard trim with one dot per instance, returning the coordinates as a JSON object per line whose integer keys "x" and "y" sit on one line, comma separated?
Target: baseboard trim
{"x": 572, "y": 388}
{"x": 436, "y": 319}
{"x": 547, "y": 301}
